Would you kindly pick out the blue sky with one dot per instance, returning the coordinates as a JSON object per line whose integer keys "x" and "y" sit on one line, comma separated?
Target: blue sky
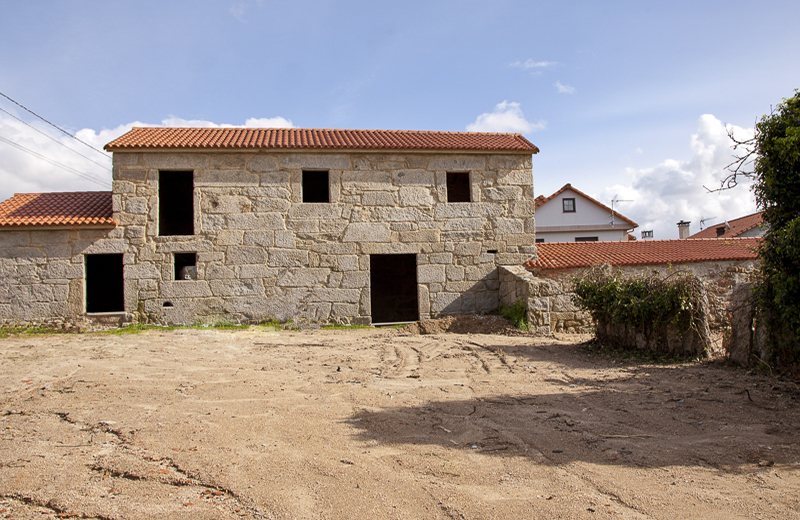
{"x": 626, "y": 99}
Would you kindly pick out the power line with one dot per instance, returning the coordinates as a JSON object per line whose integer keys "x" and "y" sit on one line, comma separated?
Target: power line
{"x": 105, "y": 166}
{"x": 83, "y": 175}
{"x": 53, "y": 125}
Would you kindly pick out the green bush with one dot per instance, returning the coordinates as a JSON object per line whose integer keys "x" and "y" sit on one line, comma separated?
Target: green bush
{"x": 643, "y": 301}
{"x": 517, "y": 314}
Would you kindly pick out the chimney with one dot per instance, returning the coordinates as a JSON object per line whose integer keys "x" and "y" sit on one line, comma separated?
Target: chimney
{"x": 683, "y": 229}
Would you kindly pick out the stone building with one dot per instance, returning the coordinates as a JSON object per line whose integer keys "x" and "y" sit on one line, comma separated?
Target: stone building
{"x": 346, "y": 226}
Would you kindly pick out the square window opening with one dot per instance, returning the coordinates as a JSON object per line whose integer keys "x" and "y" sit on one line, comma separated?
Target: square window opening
{"x": 316, "y": 187}
{"x": 568, "y": 205}
{"x": 186, "y": 266}
{"x": 540, "y": 241}
{"x": 586, "y": 239}
{"x": 458, "y": 189}
{"x": 175, "y": 203}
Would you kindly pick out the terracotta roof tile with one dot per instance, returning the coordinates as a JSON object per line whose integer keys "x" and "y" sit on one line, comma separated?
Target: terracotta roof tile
{"x": 317, "y": 139}
{"x": 541, "y": 200}
{"x": 560, "y": 255}
{"x": 734, "y": 228}
{"x": 81, "y": 208}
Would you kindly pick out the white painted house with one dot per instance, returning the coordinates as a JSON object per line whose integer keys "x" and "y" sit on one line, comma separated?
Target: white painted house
{"x": 569, "y": 215}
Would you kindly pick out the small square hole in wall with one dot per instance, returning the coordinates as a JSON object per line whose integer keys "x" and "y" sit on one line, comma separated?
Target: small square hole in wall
{"x": 458, "y": 187}
{"x": 186, "y": 266}
{"x": 316, "y": 186}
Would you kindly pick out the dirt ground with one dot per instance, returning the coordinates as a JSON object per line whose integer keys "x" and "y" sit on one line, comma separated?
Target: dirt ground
{"x": 401, "y": 423}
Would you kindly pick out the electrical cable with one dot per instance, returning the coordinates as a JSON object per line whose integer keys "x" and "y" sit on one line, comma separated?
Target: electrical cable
{"x": 56, "y": 140}
{"x": 83, "y": 175}
{"x": 53, "y": 125}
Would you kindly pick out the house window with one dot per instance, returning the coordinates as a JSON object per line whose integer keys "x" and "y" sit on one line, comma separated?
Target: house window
{"x": 186, "y": 266}
{"x": 316, "y": 186}
{"x": 720, "y": 231}
{"x": 540, "y": 241}
{"x": 585, "y": 239}
{"x": 175, "y": 203}
{"x": 568, "y": 205}
{"x": 458, "y": 187}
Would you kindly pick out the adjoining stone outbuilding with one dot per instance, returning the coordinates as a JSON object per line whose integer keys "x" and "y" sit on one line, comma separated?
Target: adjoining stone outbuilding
{"x": 347, "y": 226}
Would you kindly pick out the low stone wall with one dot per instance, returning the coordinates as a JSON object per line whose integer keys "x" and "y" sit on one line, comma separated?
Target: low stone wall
{"x": 550, "y": 306}
{"x": 668, "y": 338}
{"x": 720, "y": 278}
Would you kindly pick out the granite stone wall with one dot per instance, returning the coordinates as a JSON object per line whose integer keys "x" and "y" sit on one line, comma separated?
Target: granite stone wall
{"x": 262, "y": 253}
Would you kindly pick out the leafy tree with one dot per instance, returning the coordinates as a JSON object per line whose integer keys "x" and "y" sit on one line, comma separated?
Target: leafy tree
{"x": 776, "y": 171}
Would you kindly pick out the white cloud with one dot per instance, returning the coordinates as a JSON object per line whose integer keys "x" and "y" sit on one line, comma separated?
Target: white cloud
{"x": 506, "y": 117}
{"x": 674, "y": 190}
{"x": 237, "y": 10}
{"x": 532, "y": 64}
{"x": 23, "y": 172}
{"x": 564, "y": 89}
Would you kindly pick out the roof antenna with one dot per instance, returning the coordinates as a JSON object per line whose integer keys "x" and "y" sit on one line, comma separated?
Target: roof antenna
{"x": 615, "y": 200}
{"x": 703, "y": 221}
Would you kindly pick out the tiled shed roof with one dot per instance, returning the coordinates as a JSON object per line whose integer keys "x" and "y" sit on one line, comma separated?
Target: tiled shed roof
{"x": 560, "y": 255}
{"x": 316, "y": 139}
{"x": 77, "y": 208}
{"x": 734, "y": 227}
{"x": 541, "y": 200}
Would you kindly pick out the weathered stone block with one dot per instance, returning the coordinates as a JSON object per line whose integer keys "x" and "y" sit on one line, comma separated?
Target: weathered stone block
{"x": 263, "y": 163}
{"x": 417, "y": 177}
{"x": 502, "y": 193}
{"x": 225, "y": 204}
{"x": 468, "y": 209}
{"x": 367, "y": 232}
{"x": 355, "y": 280}
{"x": 315, "y": 211}
{"x": 377, "y": 198}
{"x": 431, "y": 274}
{"x": 347, "y": 263}
{"x": 251, "y": 287}
{"x": 14, "y": 238}
{"x": 355, "y": 181}
{"x": 226, "y": 178}
{"x": 175, "y": 161}
{"x": 255, "y": 221}
{"x": 457, "y": 162}
{"x": 303, "y": 277}
{"x": 324, "y": 294}
{"x": 445, "y": 303}
{"x": 416, "y": 197}
{"x": 423, "y": 235}
{"x": 486, "y": 301}
{"x": 287, "y": 258}
{"x": 271, "y": 205}
{"x": 240, "y": 255}
{"x": 185, "y": 289}
{"x": 310, "y": 161}
{"x": 229, "y": 237}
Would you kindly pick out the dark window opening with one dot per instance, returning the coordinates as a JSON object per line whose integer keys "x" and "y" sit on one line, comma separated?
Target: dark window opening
{"x": 186, "y": 266}
{"x": 568, "y": 205}
{"x": 585, "y": 239}
{"x": 458, "y": 187}
{"x": 316, "y": 186}
{"x": 175, "y": 203}
{"x": 104, "y": 283}
{"x": 720, "y": 231}
{"x": 492, "y": 251}
{"x": 540, "y": 241}
{"x": 393, "y": 288}
{"x": 167, "y": 304}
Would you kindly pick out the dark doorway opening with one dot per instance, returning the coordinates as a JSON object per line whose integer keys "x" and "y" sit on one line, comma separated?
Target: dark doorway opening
{"x": 104, "y": 283}
{"x": 175, "y": 203}
{"x": 393, "y": 282}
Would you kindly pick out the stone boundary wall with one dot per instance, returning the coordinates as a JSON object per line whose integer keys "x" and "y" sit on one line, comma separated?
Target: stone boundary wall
{"x": 549, "y": 303}
{"x": 720, "y": 277}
